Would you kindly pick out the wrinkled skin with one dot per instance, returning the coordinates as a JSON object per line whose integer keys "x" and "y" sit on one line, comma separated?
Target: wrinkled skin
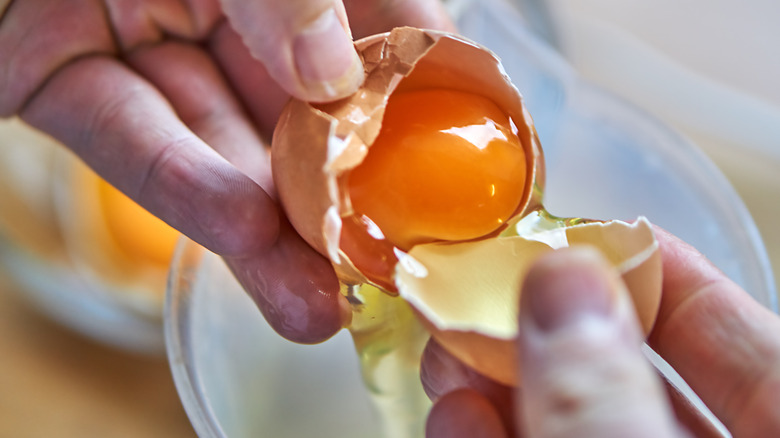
{"x": 173, "y": 103}
{"x": 585, "y": 376}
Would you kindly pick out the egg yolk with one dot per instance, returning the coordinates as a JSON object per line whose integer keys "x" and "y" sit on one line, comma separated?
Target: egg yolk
{"x": 446, "y": 166}
{"x": 141, "y": 235}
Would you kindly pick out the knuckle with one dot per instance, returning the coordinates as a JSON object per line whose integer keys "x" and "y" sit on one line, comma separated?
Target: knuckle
{"x": 209, "y": 201}
{"x": 38, "y": 38}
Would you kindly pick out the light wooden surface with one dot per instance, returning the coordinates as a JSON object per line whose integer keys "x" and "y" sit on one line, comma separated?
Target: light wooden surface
{"x": 54, "y": 383}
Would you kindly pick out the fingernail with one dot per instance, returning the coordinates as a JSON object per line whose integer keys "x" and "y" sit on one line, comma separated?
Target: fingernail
{"x": 567, "y": 286}
{"x": 328, "y": 65}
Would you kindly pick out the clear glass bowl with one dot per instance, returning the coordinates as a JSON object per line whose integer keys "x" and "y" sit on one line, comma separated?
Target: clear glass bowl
{"x": 237, "y": 377}
{"x": 605, "y": 159}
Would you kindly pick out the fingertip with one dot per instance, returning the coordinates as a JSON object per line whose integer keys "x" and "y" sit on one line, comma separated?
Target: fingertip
{"x": 306, "y": 48}
{"x": 464, "y": 413}
{"x": 326, "y": 62}
{"x": 295, "y": 289}
{"x": 583, "y": 370}
{"x": 567, "y": 285}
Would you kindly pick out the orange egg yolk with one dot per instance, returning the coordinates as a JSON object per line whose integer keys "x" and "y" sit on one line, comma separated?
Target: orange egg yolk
{"x": 138, "y": 233}
{"x": 446, "y": 166}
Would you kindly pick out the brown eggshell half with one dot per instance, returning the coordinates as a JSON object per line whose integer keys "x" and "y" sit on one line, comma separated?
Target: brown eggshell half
{"x": 467, "y": 294}
{"x": 315, "y": 145}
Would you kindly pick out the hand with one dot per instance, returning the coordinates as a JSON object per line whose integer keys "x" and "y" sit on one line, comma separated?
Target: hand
{"x": 583, "y": 372}
{"x": 171, "y": 103}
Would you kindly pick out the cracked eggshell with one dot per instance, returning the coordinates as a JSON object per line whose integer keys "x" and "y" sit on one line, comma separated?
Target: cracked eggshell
{"x": 468, "y": 294}
{"x": 314, "y": 145}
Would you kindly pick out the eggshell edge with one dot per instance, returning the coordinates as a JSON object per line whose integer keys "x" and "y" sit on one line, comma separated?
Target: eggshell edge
{"x": 348, "y": 127}
{"x": 630, "y": 247}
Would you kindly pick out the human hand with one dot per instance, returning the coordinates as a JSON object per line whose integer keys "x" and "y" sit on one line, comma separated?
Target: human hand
{"x": 583, "y": 372}
{"x": 164, "y": 99}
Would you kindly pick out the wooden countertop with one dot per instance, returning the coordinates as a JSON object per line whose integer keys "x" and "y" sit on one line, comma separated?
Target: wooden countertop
{"x": 54, "y": 383}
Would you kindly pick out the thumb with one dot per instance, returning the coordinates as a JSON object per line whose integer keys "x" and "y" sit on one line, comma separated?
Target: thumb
{"x": 584, "y": 374}
{"x": 305, "y": 45}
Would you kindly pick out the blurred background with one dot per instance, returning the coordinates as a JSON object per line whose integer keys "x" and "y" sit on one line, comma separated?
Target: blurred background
{"x": 82, "y": 282}
{"x": 81, "y": 346}
{"x": 709, "y": 69}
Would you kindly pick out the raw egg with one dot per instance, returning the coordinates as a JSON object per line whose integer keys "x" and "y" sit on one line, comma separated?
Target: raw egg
{"x": 428, "y": 183}
{"x": 446, "y": 166}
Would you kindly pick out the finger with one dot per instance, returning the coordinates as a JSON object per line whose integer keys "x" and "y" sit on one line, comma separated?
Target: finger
{"x": 583, "y": 371}
{"x": 441, "y": 374}
{"x": 146, "y": 22}
{"x": 37, "y": 37}
{"x": 260, "y": 94}
{"x": 294, "y": 287}
{"x": 464, "y": 413}
{"x": 124, "y": 129}
{"x": 305, "y": 45}
{"x": 263, "y": 97}
{"x": 203, "y": 100}
{"x": 721, "y": 341}
{"x": 689, "y": 415}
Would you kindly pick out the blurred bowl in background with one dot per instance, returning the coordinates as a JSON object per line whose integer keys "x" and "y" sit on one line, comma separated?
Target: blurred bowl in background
{"x": 605, "y": 159}
{"x": 711, "y": 76}
{"x": 113, "y": 243}
{"x": 58, "y": 243}
{"x": 238, "y": 378}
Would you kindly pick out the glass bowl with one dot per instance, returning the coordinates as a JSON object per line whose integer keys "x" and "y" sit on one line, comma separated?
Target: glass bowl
{"x": 605, "y": 159}
{"x": 53, "y": 247}
{"x": 237, "y": 377}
